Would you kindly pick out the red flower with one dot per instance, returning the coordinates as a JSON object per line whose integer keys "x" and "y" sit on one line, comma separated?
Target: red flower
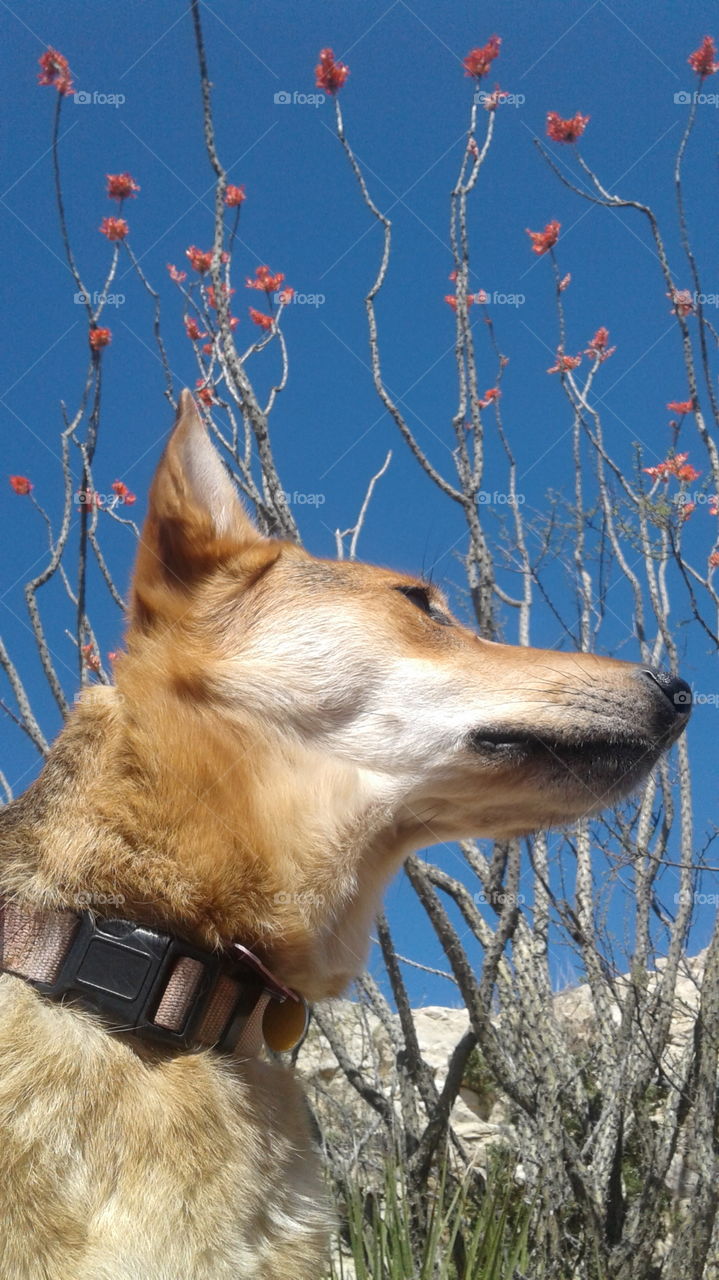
{"x": 259, "y": 318}
{"x": 682, "y": 302}
{"x": 330, "y": 75}
{"x": 687, "y": 510}
{"x": 199, "y": 259}
{"x": 680, "y": 406}
{"x": 542, "y": 241}
{"x": 205, "y": 392}
{"x": 286, "y": 295}
{"x": 192, "y": 329}
{"x": 478, "y": 61}
{"x": 450, "y": 298}
{"x": 560, "y": 130}
{"x": 55, "y": 70}
{"x": 714, "y": 505}
{"x": 234, "y": 196}
{"x": 703, "y": 59}
{"x": 91, "y": 657}
{"x": 100, "y": 338}
{"x": 265, "y": 280}
{"x": 565, "y": 282}
{"x": 564, "y": 363}
{"x": 177, "y": 276}
{"x": 714, "y": 559}
{"x": 123, "y": 494}
{"x": 20, "y": 485}
{"x": 676, "y": 466}
{"x": 111, "y": 655}
{"x": 114, "y": 228}
{"x": 121, "y": 186}
{"x": 598, "y": 349}
{"x": 489, "y": 397}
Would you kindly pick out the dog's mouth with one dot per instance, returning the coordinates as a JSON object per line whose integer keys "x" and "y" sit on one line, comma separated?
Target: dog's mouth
{"x": 612, "y": 764}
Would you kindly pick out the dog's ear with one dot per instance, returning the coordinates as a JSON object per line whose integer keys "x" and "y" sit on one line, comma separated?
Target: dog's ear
{"x": 195, "y": 519}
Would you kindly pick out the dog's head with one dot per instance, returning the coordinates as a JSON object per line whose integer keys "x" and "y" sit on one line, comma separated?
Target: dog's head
{"x": 366, "y": 668}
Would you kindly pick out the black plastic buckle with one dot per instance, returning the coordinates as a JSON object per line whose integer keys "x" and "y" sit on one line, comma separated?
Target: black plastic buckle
{"x": 121, "y": 968}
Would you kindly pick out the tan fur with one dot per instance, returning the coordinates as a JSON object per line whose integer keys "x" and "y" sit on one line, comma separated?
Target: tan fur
{"x": 283, "y": 731}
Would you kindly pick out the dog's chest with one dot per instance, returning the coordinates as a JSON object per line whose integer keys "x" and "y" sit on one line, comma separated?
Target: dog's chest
{"x": 183, "y": 1169}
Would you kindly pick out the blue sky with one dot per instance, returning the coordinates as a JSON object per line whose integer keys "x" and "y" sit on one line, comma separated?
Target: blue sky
{"x": 406, "y": 106}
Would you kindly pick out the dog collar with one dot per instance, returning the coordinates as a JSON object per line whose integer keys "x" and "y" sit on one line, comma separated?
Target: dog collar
{"x": 151, "y": 983}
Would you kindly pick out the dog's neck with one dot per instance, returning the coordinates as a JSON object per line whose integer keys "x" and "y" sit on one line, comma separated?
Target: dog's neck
{"x": 165, "y": 814}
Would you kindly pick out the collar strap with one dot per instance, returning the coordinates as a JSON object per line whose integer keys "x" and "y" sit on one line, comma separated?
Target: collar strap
{"x": 151, "y": 983}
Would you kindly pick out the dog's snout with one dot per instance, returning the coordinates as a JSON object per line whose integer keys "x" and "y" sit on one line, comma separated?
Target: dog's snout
{"x": 676, "y": 690}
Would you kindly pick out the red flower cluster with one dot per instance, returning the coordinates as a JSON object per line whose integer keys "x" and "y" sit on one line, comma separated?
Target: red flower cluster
{"x": 560, "y": 130}
{"x": 205, "y": 392}
{"x": 234, "y": 196}
{"x": 199, "y": 259}
{"x": 703, "y": 60}
{"x": 330, "y": 75}
{"x": 265, "y": 280}
{"x": 121, "y": 186}
{"x": 177, "y": 276}
{"x": 100, "y": 338}
{"x": 680, "y": 406}
{"x": 192, "y": 329}
{"x": 55, "y": 70}
{"x": 450, "y": 298}
{"x": 714, "y": 559}
{"x": 598, "y": 349}
{"x": 259, "y": 318}
{"x": 564, "y": 363}
{"x": 123, "y": 493}
{"x": 114, "y": 228}
{"x": 489, "y": 397}
{"x": 676, "y": 466}
{"x": 20, "y": 485}
{"x": 91, "y": 656}
{"x": 543, "y": 241}
{"x": 565, "y": 282}
{"x": 478, "y": 61}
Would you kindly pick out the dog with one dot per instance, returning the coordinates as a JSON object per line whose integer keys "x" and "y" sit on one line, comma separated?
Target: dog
{"x": 282, "y": 732}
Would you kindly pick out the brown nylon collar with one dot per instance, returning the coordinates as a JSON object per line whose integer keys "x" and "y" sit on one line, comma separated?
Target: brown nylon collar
{"x": 152, "y": 983}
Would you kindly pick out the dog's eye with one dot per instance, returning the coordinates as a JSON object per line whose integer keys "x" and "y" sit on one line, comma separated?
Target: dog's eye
{"x": 420, "y": 597}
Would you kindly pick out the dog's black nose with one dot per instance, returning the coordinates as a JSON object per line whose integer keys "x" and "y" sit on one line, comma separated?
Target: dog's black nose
{"x": 673, "y": 687}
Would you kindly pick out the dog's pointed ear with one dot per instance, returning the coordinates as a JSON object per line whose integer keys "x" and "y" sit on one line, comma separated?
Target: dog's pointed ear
{"x": 195, "y": 519}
